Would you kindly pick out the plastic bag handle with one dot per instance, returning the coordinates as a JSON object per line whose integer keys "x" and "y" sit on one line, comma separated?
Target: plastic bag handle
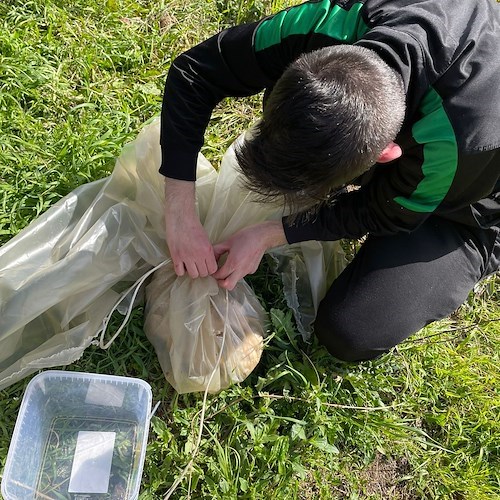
{"x": 137, "y": 285}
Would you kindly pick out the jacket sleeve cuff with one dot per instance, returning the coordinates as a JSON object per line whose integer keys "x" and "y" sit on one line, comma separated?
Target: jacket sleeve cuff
{"x": 299, "y": 231}
{"x": 179, "y": 164}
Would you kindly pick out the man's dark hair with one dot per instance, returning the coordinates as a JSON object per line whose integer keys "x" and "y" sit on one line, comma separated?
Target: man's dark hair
{"x": 326, "y": 121}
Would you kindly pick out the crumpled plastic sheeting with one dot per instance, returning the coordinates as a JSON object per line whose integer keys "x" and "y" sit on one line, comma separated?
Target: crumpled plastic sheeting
{"x": 307, "y": 270}
{"x": 62, "y": 274}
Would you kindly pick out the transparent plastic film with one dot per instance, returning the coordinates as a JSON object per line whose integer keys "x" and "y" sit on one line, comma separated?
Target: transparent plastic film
{"x": 63, "y": 274}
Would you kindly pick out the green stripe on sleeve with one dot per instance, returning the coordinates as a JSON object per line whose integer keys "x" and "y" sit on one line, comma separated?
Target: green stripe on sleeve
{"x": 321, "y": 17}
{"x": 440, "y": 151}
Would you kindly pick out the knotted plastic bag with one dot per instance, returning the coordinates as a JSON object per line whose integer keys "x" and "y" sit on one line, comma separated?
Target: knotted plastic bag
{"x": 204, "y": 338}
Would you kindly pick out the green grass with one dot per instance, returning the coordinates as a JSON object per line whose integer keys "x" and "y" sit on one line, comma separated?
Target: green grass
{"x": 77, "y": 81}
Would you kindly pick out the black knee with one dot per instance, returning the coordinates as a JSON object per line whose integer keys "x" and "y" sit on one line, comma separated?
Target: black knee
{"x": 348, "y": 338}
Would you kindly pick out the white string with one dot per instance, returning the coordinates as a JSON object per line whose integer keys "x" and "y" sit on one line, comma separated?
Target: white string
{"x": 153, "y": 411}
{"x": 204, "y": 406}
{"x": 137, "y": 285}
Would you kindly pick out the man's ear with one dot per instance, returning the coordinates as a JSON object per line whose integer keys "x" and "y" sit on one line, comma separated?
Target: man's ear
{"x": 390, "y": 153}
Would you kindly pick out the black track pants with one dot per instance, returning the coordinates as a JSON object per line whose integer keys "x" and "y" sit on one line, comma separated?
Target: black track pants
{"x": 398, "y": 284}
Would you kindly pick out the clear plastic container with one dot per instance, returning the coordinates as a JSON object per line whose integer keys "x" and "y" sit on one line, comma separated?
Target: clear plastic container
{"x": 79, "y": 436}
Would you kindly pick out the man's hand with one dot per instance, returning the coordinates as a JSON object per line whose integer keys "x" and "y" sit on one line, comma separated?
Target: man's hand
{"x": 187, "y": 240}
{"x": 244, "y": 251}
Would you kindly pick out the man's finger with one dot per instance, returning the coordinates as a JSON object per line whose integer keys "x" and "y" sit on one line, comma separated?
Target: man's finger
{"x": 192, "y": 270}
{"x": 211, "y": 266}
{"x": 225, "y": 271}
{"x": 202, "y": 269}
{"x": 179, "y": 268}
{"x": 228, "y": 283}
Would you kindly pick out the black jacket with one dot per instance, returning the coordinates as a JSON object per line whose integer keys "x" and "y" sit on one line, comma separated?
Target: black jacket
{"x": 447, "y": 52}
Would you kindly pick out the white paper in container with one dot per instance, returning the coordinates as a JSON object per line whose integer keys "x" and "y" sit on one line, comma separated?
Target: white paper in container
{"x": 92, "y": 462}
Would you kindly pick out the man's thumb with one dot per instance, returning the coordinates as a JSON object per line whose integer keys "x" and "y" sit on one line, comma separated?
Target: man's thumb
{"x": 220, "y": 249}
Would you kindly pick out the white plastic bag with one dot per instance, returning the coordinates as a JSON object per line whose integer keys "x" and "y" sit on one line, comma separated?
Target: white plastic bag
{"x": 60, "y": 277}
{"x": 62, "y": 274}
